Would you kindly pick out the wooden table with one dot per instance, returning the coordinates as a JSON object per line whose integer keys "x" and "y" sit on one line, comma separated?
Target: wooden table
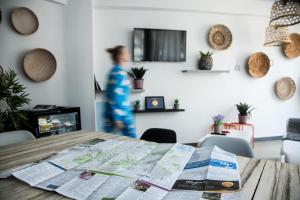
{"x": 261, "y": 179}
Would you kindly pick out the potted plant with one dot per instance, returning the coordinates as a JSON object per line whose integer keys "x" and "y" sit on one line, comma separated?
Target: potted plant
{"x": 176, "y": 104}
{"x": 137, "y": 105}
{"x": 244, "y": 112}
{"x": 218, "y": 123}
{"x": 206, "y": 61}
{"x": 12, "y": 97}
{"x": 137, "y": 74}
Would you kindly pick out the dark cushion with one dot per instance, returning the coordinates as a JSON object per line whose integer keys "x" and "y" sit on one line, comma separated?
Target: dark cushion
{"x": 159, "y": 135}
{"x": 293, "y": 126}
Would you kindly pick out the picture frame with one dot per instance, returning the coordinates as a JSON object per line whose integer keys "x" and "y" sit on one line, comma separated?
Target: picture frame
{"x": 154, "y": 103}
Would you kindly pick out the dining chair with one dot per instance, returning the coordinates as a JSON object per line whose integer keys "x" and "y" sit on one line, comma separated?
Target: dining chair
{"x": 13, "y": 137}
{"x": 159, "y": 135}
{"x": 237, "y": 146}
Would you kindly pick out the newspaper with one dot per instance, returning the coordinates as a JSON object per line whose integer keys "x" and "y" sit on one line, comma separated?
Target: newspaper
{"x": 38, "y": 173}
{"x": 169, "y": 167}
{"x": 143, "y": 191}
{"x": 210, "y": 169}
{"x": 83, "y": 186}
{"x": 111, "y": 188}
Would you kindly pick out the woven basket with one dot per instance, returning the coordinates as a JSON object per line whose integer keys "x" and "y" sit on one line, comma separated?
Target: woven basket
{"x": 258, "y": 65}
{"x": 285, "y": 88}
{"x": 292, "y": 49}
{"x": 285, "y": 14}
{"x": 24, "y": 21}
{"x": 39, "y": 65}
{"x": 219, "y": 37}
{"x": 276, "y": 36}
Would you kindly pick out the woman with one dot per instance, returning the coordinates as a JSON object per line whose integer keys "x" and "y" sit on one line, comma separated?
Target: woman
{"x": 118, "y": 113}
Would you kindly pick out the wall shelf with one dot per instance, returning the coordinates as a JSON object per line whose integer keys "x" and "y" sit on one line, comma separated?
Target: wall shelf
{"x": 132, "y": 91}
{"x": 158, "y": 111}
{"x": 206, "y": 71}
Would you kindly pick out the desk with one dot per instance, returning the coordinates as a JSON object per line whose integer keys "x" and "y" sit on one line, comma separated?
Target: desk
{"x": 261, "y": 179}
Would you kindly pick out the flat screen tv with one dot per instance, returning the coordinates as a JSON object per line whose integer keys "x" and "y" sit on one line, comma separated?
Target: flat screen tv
{"x": 159, "y": 45}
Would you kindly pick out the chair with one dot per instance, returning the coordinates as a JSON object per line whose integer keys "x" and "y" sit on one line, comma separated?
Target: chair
{"x": 237, "y": 146}
{"x": 159, "y": 135}
{"x": 14, "y": 137}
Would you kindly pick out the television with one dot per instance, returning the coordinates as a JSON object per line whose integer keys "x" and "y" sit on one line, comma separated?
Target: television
{"x": 159, "y": 45}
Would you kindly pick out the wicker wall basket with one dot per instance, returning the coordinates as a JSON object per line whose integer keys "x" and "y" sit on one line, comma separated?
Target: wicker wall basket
{"x": 285, "y": 88}
{"x": 219, "y": 37}
{"x": 24, "y": 21}
{"x": 258, "y": 65}
{"x": 39, "y": 65}
{"x": 292, "y": 49}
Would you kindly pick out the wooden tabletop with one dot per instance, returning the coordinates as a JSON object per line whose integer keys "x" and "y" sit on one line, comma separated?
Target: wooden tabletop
{"x": 261, "y": 179}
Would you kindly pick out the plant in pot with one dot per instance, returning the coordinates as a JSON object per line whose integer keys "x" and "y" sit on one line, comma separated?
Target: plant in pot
{"x": 218, "y": 123}
{"x": 12, "y": 97}
{"x": 176, "y": 104}
{"x": 137, "y": 105}
{"x": 206, "y": 61}
{"x": 137, "y": 74}
{"x": 244, "y": 112}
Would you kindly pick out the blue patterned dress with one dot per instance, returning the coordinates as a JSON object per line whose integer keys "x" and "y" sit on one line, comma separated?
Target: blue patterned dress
{"x": 117, "y": 106}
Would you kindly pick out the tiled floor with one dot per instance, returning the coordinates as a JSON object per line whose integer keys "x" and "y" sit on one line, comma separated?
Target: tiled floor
{"x": 267, "y": 149}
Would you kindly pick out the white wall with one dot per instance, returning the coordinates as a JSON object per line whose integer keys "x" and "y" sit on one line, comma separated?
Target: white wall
{"x": 50, "y": 35}
{"x": 202, "y": 95}
{"x": 65, "y": 29}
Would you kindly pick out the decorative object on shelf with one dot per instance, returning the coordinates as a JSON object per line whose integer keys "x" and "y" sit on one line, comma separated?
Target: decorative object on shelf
{"x": 258, "y": 65}
{"x": 155, "y": 103}
{"x": 137, "y": 74}
{"x": 292, "y": 49}
{"x": 285, "y": 88}
{"x": 285, "y": 13}
{"x": 96, "y": 85}
{"x": 39, "y": 64}
{"x": 244, "y": 112}
{"x": 12, "y": 97}
{"x": 218, "y": 123}
{"x": 137, "y": 105}
{"x": 24, "y": 21}
{"x": 176, "y": 104}
{"x": 206, "y": 61}
{"x": 276, "y": 36}
{"x": 219, "y": 37}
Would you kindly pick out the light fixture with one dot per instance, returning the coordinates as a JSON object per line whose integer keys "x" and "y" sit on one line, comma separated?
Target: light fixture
{"x": 276, "y": 36}
{"x": 285, "y": 13}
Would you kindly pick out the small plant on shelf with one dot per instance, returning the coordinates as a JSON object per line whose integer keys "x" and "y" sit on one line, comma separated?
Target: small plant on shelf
{"x": 218, "y": 123}
{"x": 244, "y": 112}
{"x": 176, "y": 104}
{"x": 137, "y": 105}
{"x": 206, "y": 61}
{"x": 138, "y": 74}
{"x": 12, "y": 97}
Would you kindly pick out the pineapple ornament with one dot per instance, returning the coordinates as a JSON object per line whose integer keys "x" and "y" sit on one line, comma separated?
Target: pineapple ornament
{"x": 206, "y": 61}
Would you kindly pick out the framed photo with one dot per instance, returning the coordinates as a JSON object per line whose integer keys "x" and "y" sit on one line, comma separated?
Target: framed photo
{"x": 155, "y": 103}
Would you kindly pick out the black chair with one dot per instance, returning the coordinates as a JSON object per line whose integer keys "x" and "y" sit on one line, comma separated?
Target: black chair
{"x": 159, "y": 135}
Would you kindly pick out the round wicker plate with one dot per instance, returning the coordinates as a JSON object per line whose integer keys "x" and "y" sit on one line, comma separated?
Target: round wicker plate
{"x": 285, "y": 88}
{"x": 39, "y": 65}
{"x": 292, "y": 49}
{"x": 219, "y": 37}
{"x": 258, "y": 65}
{"x": 24, "y": 21}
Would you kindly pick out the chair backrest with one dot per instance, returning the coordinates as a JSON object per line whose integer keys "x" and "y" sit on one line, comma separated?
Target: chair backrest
{"x": 159, "y": 135}
{"x": 293, "y": 125}
{"x": 14, "y": 137}
{"x": 237, "y": 146}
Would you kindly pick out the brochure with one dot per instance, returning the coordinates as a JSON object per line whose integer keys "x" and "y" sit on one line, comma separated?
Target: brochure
{"x": 210, "y": 169}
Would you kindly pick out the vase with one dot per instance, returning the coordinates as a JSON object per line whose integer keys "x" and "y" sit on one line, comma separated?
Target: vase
{"x": 176, "y": 106}
{"x": 205, "y": 63}
{"x": 138, "y": 83}
{"x": 218, "y": 128}
{"x": 243, "y": 119}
